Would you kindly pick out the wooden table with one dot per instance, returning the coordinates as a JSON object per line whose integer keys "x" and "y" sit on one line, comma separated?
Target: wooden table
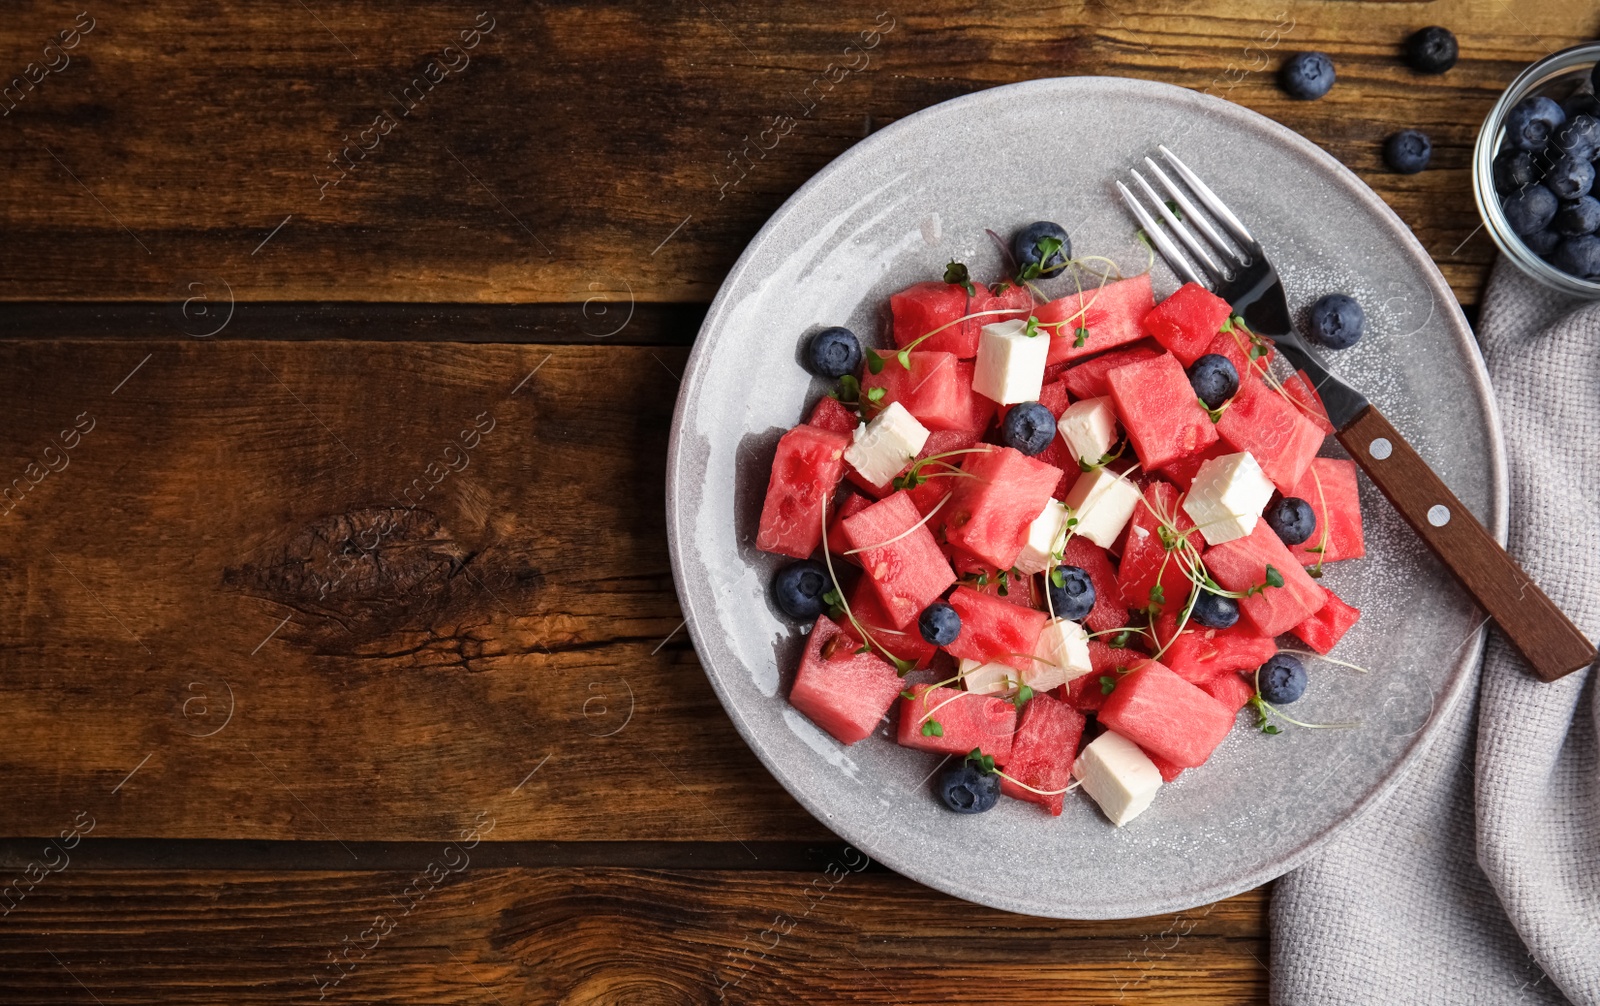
{"x": 342, "y": 657}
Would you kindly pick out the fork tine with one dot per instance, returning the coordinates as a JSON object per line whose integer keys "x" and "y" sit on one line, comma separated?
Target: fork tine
{"x": 1218, "y": 208}
{"x": 1176, "y": 192}
{"x": 1164, "y": 245}
{"x": 1196, "y": 250}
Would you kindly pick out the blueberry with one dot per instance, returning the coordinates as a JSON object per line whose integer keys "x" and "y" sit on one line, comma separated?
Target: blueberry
{"x": 1531, "y": 210}
{"x": 833, "y": 352}
{"x": 1514, "y": 170}
{"x": 1569, "y": 177}
{"x": 966, "y": 789}
{"x": 799, "y": 587}
{"x": 1579, "y": 217}
{"x": 1281, "y": 680}
{"x": 1582, "y": 103}
{"x": 1307, "y": 75}
{"x": 1532, "y": 122}
{"x": 1579, "y": 256}
{"x": 1215, "y": 611}
{"x": 939, "y": 624}
{"x": 1214, "y": 379}
{"x": 1432, "y": 50}
{"x": 1543, "y": 242}
{"x": 1580, "y": 137}
{"x": 1292, "y": 519}
{"x": 1025, "y": 247}
{"x": 1075, "y": 597}
{"x": 1407, "y": 151}
{"x": 1337, "y": 321}
{"x": 1029, "y": 428}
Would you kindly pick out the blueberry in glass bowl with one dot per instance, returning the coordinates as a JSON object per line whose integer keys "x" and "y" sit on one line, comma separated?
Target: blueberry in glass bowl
{"x": 1535, "y": 169}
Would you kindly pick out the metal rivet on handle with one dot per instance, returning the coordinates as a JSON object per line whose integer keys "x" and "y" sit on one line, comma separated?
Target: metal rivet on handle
{"x": 1438, "y": 515}
{"x": 1381, "y": 448}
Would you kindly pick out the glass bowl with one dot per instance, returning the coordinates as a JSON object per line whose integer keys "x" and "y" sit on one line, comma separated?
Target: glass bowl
{"x": 1560, "y": 76}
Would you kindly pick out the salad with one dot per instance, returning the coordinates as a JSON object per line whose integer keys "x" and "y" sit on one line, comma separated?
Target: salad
{"x": 1059, "y": 529}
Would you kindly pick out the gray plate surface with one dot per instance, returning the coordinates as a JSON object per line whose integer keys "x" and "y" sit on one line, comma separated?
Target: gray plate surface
{"x": 893, "y": 210}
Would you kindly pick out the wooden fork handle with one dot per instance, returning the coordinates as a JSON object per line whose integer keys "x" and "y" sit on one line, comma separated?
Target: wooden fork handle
{"x": 1546, "y": 637}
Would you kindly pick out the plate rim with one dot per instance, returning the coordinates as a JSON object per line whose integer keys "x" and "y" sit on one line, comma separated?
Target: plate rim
{"x": 1470, "y": 653}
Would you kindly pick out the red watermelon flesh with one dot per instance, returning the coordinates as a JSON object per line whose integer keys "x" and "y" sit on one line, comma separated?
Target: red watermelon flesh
{"x": 1108, "y": 612}
{"x": 993, "y": 629}
{"x": 832, "y": 414}
{"x": 1274, "y": 430}
{"x": 1232, "y": 690}
{"x": 850, "y": 505}
{"x": 966, "y": 721}
{"x": 900, "y": 557}
{"x": 1112, "y": 315}
{"x": 1015, "y": 302}
{"x": 1200, "y": 654}
{"x": 1237, "y": 346}
{"x": 932, "y": 390}
{"x": 1323, "y": 630}
{"x": 1018, "y": 589}
{"x": 1188, "y": 321}
{"x": 1166, "y": 715}
{"x": 1241, "y": 564}
{"x": 1183, "y": 470}
{"x": 907, "y": 643}
{"x": 1298, "y": 386}
{"x": 844, "y": 692}
{"x": 925, "y": 307}
{"x": 1338, "y": 510}
{"x": 938, "y": 479}
{"x": 1168, "y": 770}
{"x": 1042, "y": 752}
{"x": 806, "y": 469}
{"x": 1160, "y": 411}
{"x": 1145, "y": 560}
{"x": 1088, "y": 379}
{"x": 990, "y": 511}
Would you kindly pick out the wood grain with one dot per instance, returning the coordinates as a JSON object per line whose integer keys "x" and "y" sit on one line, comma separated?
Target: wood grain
{"x": 598, "y": 936}
{"x": 591, "y": 148}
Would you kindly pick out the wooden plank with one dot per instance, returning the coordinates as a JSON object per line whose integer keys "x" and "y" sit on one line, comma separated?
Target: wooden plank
{"x": 589, "y": 148}
{"x": 598, "y": 935}
{"x": 252, "y": 596}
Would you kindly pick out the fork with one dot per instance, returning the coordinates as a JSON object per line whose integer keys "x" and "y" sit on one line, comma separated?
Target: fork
{"x": 1552, "y": 645}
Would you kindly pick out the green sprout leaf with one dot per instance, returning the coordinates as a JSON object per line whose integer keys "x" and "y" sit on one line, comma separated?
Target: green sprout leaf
{"x": 1057, "y": 578}
{"x": 1031, "y": 329}
{"x": 956, "y": 272}
{"x": 1107, "y": 684}
{"x": 1177, "y": 210}
{"x": 1120, "y": 640}
{"x": 875, "y": 395}
{"x": 874, "y": 362}
{"x": 1081, "y": 336}
{"x": 1158, "y": 595}
{"x": 982, "y": 762}
{"x": 904, "y": 356}
{"x": 908, "y": 694}
{"x": 1024, "y": 693}
{"x": 932, "y": 729}
{"x": 1274, "y": 578}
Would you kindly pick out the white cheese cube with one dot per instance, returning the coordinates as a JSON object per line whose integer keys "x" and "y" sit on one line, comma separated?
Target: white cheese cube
{"x": 1010, "y": 364}
{"x": 1063, "y": 653}
{"x": 1227, "y": 497}
{"x": 1119, "y": 776}
{"x": 1102, "y": 502}
{"x": 1044, "y": 535}
{"x": 1090, "y": 429}
{"x": 986, "y": 679}
{"x": 884, "y": 446}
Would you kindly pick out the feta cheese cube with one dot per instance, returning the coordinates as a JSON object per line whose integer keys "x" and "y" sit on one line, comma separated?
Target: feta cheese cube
{"x": 1044, "y": 536}
{"x": 1227, "y": 497}
{"x": 1119, "y": 776}
{"x": 1102, "y": 502}
{"x": 986, "y": 679}
{"x": 1010, "y": 364}
{"x": 1064, "y": 654}
{"x": 1090, "y": 428}
{"x": 884, "y": 446}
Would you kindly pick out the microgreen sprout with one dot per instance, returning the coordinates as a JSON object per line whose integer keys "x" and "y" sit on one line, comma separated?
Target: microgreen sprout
{"x": 1321, "y": 548}
{"x": 956, "y": 273}
{"x": 914, "y": 476}
{"x": 903, "y": 667}
{"x": 1046, "y": 247}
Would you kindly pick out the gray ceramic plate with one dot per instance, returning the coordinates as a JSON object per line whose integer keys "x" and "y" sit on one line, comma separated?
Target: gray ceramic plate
{"x": 893, "y": 210}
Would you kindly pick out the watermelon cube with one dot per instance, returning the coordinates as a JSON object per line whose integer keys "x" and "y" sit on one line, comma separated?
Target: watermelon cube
{"x": 1166, "y": 715}
{"x": 1323, "y": 630}
{"x": 1329, "y": 485}
{"x": 1200, "y": 654}
{"x": 1042, "y": 752}
{"x": 906, "y": 644}
{"x": 1146, "y": 562}
{"x": 1232, "y": 690}
{"x": 899, "y": 556}
{"x": 849, "y": 505}
{"x": 1241, "y": 565}
{"x": 806, "y": 469}
{"x": 960, "y": 722}
{"x": 940, "y": 308}
{"x": 1299, "y": 387}
{"x": 994, "y": 630}
{"x": 832, "y": 414}
{"x": 1108, "y": 612}
{"x": 935, "y": 390}
{"x": 1108, "y": 316}
{"x": 1088, "y": 379}
{"x": 844, "y": 692}
{"x": 1158, "y": 407}
{"x": 1274, "y": 430}
{"x": 991, "y": 507}
{"x": 1188, "y": 321}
